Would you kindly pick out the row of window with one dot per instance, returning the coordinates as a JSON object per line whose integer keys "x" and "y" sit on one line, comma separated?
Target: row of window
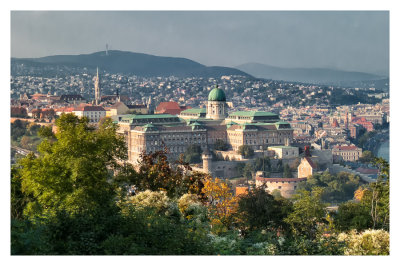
{"x": 186, "y": 140}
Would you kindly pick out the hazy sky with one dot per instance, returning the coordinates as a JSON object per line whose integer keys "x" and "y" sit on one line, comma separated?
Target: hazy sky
{"x": 343, "y": 40}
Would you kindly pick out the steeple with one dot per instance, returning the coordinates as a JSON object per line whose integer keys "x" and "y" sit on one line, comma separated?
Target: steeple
{"x": 97, "y": 97}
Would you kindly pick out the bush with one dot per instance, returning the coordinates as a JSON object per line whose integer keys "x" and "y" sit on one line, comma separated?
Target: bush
{"x": 187, "y": 200}
{"x": 369, "y": 242}
{"x": 150, "y": 199}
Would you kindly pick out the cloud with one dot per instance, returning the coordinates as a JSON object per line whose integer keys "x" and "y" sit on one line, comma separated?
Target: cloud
{"x": 345, "y": 40}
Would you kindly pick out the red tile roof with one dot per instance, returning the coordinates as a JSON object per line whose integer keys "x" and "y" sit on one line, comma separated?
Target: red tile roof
{"x": 263, "y": 179}
{"x": 89, "y": 108}
{"x": 346, "y": 148}
{"x": 310, "y": 162}
{"x": 117, "y": 104}
{"x": 367, "y": 171}
{"x": 172, "y": 108}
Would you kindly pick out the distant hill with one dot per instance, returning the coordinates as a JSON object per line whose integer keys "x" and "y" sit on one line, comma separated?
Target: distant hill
{"x": 307, "y": 75}
{"x": 132, "y": 63}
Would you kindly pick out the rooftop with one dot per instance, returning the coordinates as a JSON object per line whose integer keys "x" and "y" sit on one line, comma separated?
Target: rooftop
{"x": 217, "y": 94}
{"x": 346, "y": 148}
{"x": 252, "y": 113}
{"x": 194, "y": 111}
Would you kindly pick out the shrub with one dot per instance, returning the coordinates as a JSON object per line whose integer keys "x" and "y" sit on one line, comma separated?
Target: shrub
{"x": 150, "y": 199}
{"x": 369, "y": 242}
{"x": 187, "y": 200}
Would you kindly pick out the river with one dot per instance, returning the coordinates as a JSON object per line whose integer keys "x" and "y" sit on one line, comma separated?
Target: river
{"x": 383, "y": 151}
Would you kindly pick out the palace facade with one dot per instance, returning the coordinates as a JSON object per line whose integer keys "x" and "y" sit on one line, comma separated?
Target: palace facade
{"x": 203, "y": 127}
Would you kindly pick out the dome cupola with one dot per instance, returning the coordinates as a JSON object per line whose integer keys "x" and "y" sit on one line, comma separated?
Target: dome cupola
{"x": 217, "y": 95}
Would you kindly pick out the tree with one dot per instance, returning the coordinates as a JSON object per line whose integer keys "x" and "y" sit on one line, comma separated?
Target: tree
{"x": 221, "y": 204}
{"x": 295, "y": 164}
{"x": 260, "y": 210}
{"x": 369, "y": 242}
{"x": 246, "y": 151}
{"x": 26, "y": 142}
{"x": 185, "y": 202}
{"x": 239, "y": 168}
{"x": 19, "y": 200}
{"x": 46, "y": 132}
{"x": 18, "y": 129}
{"x": 367, "y": 157}
{"x": 353, "y": 215}
{"x": 262, "y": 164}
{"x": 220, "y": 145}
{"x": 287, "y": 172}
{"x": 73, "y": 173}
{"x": 193, "y": 154}
{"x": 18, "y": 112}
{"x": 377, "y": 196}
{"x": 248, "y": 171}
{"x": 340, "y": 187}
{"x": 157, "y": 200}
{"x": 308, "y": 212}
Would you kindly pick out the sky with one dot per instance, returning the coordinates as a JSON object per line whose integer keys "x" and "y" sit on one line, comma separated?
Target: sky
{"x": 345, "y": 40}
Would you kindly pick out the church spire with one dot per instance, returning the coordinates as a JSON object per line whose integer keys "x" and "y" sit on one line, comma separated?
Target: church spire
{"x": 97, "y": 88}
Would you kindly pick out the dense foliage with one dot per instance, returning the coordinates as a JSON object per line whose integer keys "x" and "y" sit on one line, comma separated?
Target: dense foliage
{"x": 221, "y": 145}
{"x": 193, "y": 154}
{"x": 25, "y": 134}
{"x": 246, "y": 151}
{"x": 335, "y": 188}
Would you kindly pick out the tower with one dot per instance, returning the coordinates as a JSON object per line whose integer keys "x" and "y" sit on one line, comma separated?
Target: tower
{"x": 207, "y": 158}
{"x": 97, "y": 96}
{"x": 346, "y": 120}
{"x": 216, "y": 104}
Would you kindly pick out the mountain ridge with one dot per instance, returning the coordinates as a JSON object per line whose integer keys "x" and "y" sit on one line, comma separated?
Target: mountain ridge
{"x": 306, "y": 75}
{"x": 135, "y": 63}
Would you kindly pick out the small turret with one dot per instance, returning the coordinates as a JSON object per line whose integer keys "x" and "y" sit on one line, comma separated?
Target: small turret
{"x": 207, "y": 161}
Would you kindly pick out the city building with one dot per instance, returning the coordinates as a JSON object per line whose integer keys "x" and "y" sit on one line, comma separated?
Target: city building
{"x": 346, "y": 153}
{"x": 93, "y": 113}
{"x": 285, "y": 152}
{"x": 306, "y": 168}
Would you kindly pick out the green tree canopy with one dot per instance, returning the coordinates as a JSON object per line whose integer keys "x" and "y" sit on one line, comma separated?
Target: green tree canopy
{"x": 220, "y": 145}
{"x": 74, "y": 172}
{"x": 193, "y": 154}
{"x": 287, "y": 171}
{"x": 260, "y": 210}
{"x": 246, "y": 151}
{"x": 367, "y": 157}
{"x": 308, "y": 212}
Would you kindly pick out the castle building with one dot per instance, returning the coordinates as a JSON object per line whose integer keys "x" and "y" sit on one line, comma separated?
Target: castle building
{"x": 203, "y": 127}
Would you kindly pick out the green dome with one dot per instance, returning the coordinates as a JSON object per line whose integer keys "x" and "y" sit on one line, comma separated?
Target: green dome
{"x": 217, "y": 94}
